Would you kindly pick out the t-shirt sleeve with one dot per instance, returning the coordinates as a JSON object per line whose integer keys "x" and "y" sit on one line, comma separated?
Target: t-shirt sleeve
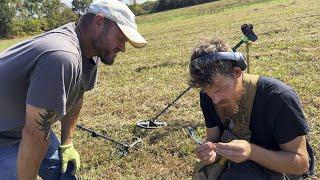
{"x": 51, "y": 80}
{"x": 208, "y": 110}
{"x": 290, "y": 121}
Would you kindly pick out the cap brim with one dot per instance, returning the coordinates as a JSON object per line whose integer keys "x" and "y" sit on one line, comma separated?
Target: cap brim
{"x": 135, "y": 38}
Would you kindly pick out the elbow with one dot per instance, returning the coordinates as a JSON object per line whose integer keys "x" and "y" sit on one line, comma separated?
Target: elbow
{"x": 35, "y": 136}
{"x": 303, "y": 166}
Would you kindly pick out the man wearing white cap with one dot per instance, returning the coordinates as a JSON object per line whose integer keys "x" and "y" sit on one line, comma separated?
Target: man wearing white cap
{"x": 42, "y": 80}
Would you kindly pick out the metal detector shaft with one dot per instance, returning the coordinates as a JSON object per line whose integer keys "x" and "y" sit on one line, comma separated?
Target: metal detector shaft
{"x": 248, "y": 61}
{"x": 171, "y": 104}
{"x": 96, "y": 134}
{"x": 237, "y": 45}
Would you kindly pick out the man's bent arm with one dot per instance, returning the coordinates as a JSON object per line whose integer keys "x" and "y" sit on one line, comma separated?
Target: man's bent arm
{"x": 293, "y": 158}
{"x": 69, "y": 122}
{"x": 34, "y": 142}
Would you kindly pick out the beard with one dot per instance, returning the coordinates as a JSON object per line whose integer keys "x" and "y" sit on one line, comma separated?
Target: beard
{"x": 107, "y": 55}
{"x": 227, "y": 108}
{"x": 107, "y": 58}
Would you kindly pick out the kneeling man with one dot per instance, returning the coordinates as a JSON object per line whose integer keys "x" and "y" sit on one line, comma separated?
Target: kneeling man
{"x": 255, "y": 126}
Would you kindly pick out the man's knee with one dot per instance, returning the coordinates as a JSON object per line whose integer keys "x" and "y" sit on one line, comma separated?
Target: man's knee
{"x": 51, "y": 165}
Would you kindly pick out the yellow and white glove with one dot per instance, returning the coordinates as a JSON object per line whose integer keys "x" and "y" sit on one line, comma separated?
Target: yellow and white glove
{"x": 68, "y": 153}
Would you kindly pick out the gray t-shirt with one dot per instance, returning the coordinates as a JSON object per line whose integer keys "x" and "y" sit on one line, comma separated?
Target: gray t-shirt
{"x": 48, "y": 72}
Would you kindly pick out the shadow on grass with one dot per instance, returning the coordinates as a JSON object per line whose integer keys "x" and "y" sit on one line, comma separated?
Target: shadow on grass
{"x": 165, "y": 64}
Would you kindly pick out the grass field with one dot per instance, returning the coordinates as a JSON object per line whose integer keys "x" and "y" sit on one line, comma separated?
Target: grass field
{"x": 142, "y": 82}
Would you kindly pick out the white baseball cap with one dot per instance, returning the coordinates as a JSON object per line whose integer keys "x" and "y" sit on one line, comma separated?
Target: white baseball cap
{"x": 119, "y": 12}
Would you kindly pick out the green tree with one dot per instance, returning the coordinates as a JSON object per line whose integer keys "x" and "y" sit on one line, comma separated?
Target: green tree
{"x": 80, "y": 6}
{"x": 68, "y": 15}
{"x": 149, "y": 6}
{"x": 137, "y": 9}
{"x": 57, "y": 14}
{"x": 163, "y": 5}
{"x": 32, "y": 8}
{"x": 6, "y": 16}
{"x": 52, "y": 10}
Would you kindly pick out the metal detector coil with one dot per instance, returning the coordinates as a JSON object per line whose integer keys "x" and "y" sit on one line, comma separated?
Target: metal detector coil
{"x": 125, "y": 148}
{"x": 149, "y": 124}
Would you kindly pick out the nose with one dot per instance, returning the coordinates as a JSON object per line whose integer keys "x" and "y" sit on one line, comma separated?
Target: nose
{"x": 122, "y": 47}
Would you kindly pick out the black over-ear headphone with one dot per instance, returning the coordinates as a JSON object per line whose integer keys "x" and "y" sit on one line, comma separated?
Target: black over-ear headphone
{"x": 237, "y": 57}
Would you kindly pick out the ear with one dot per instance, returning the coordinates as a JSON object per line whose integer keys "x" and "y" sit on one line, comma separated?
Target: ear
{"x": 237, "y": 72}
{"x": 98, "y": 22}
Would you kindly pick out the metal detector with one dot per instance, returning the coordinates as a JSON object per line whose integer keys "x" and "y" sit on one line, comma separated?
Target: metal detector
{"x": 155, "y": 123}
{"x": 122, "y": 147}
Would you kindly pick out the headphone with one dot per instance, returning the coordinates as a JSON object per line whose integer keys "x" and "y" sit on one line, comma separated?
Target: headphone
{"x": 237, "y": 57}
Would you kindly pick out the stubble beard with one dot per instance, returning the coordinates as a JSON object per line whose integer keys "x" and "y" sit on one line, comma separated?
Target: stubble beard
{"x": 106, "y": 55}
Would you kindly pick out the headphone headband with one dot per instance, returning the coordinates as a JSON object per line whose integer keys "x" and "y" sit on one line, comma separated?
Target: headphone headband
{"x": 238, "y": 57}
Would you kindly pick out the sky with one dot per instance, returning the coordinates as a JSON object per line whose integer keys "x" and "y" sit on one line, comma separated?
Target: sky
{"x": 68, "y": 2}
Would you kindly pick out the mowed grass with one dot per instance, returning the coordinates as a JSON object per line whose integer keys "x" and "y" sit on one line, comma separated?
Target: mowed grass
{"x": 5, "y": 43}
{"x": 143, "y": 81}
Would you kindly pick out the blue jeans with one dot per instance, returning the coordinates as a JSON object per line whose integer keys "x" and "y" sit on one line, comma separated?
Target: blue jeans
{"x": 50, "y": 168}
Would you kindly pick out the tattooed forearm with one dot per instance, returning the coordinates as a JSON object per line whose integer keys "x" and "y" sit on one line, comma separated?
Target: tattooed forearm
{"x": 45, "y": 121}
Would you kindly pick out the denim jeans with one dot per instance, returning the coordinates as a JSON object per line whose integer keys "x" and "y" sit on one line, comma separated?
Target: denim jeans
{"x": 50, "y": 168}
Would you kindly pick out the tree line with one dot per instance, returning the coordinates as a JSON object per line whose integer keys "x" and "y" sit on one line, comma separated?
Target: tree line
{"x": 25, "y": 17}
{"x": 164, "y": 5}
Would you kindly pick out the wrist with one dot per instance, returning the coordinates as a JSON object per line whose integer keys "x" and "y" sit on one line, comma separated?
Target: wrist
{"x": 252, "y": 151}
{"x": 66, "y": 146}
{"x": 66, "y": 141}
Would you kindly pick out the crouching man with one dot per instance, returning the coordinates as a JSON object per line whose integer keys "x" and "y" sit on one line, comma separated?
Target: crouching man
{"x": 255, "y": 126}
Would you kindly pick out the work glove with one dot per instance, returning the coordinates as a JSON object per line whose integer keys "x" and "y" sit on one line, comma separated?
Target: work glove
{"x": 68, "y": 153}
